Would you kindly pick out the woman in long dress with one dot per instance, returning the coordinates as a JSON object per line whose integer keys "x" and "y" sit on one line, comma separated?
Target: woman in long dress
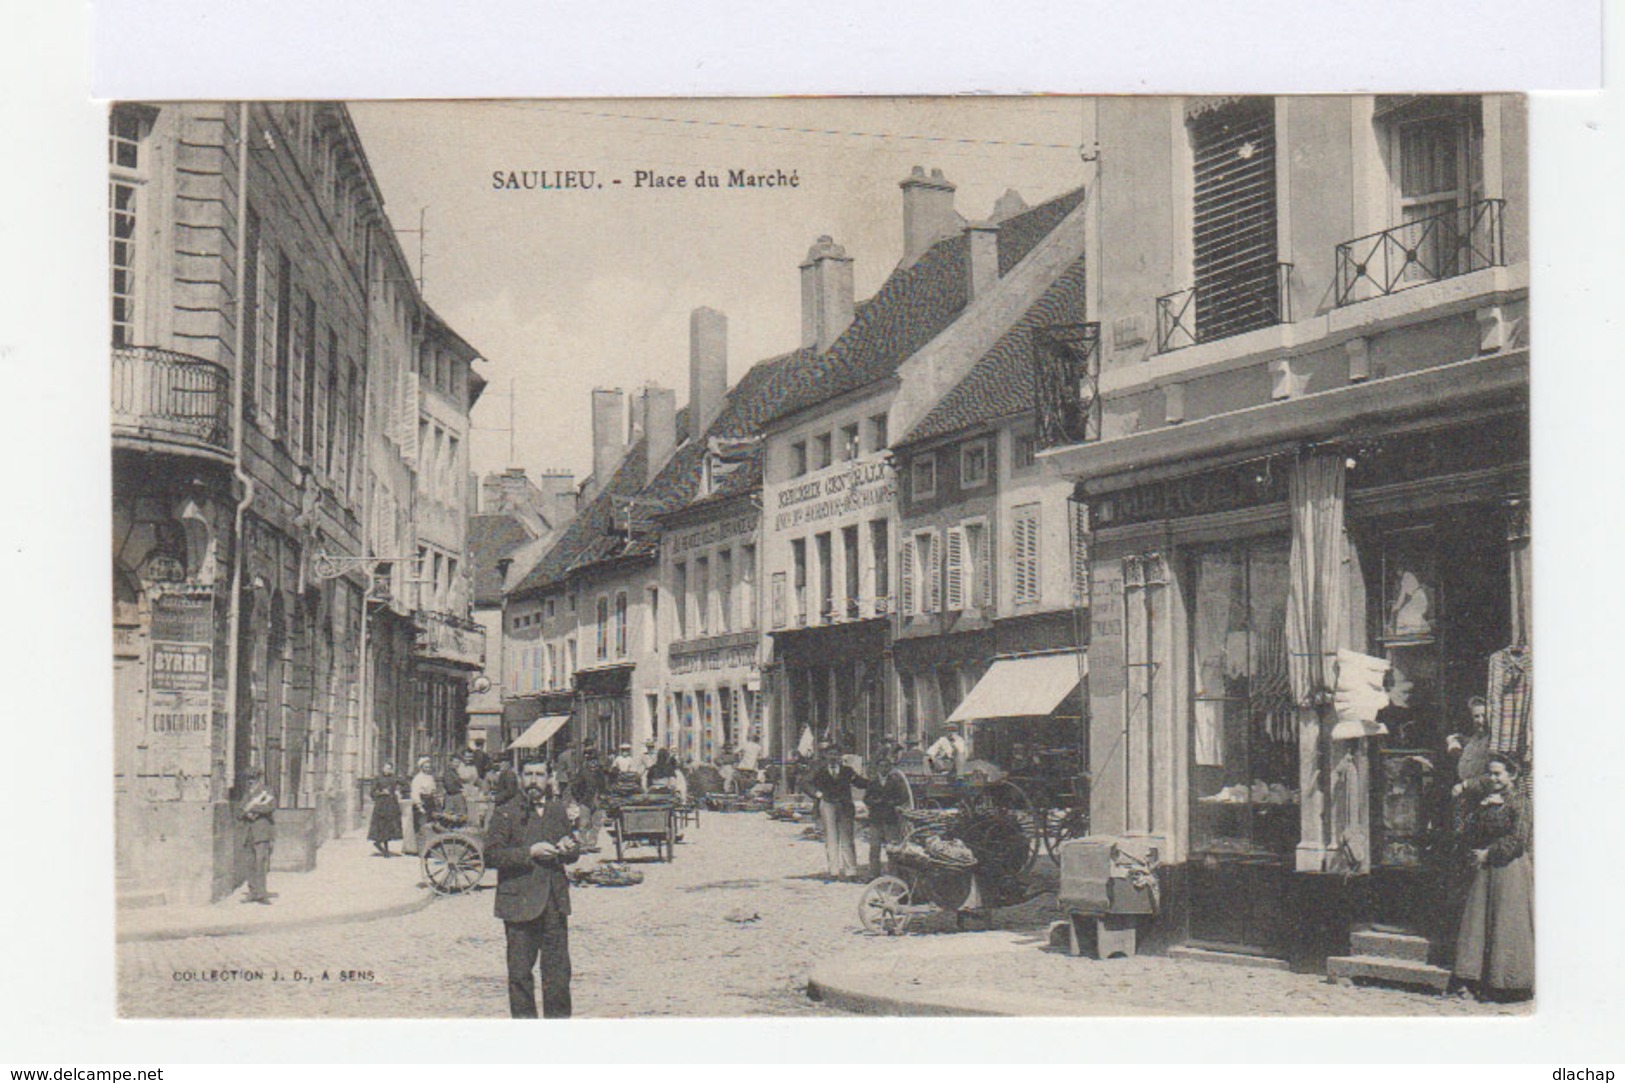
{"x": 385, "y": 826}
{"x": 1495, "y": 949}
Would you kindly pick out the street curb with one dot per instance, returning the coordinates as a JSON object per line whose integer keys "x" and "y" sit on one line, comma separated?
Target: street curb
{"x": 849, "y": 989}
{"x": 291, "y": 924}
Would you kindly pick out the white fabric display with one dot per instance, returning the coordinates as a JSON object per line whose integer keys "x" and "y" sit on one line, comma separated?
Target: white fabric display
{"x": 1359, "y": 695}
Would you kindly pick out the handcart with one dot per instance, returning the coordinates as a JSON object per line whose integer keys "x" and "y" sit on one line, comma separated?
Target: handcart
{"x": 452, "y": 853}
{"x": 647, "y": 825}
{"x": 968, "y": 861}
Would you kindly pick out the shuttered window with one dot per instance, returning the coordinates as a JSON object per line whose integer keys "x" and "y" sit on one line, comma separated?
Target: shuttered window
{"x": 931, "y": 570}
{"x": 956, "y": 569}
{"x": 905, "y": 577}
{"x": 1024, "y": 554}
{"x": 1080, "y": 552}
{"x": 1236, "y": 255}
{"x": 979, "y": 547}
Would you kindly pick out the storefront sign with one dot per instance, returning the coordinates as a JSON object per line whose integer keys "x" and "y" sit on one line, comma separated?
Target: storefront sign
{"x": 443, "y": 640}
{"x": 734, "y": 657}
{"x": 711, "y": 533}
{"x": 180, "y": 671}
{"x": 1244, "y": 486}
{"x": 860, "y": 486}
{"x": 1106, "y": 655}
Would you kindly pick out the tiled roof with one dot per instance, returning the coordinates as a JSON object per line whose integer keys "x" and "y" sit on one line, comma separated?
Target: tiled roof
{"x": 1001, "y": 383}
{"x": 913, "y": 306}
{"x": 491, "y": 538}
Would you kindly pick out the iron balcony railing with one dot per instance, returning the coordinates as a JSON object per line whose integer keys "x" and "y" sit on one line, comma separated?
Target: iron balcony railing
{"x": 161, "y": 397}
{"x": 1444, "y": 245}
{"x": 1225, "y": 304}
{"x": 1066, "y": 382}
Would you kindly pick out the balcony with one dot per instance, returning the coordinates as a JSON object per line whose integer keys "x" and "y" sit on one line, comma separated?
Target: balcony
{"x": 449, "y": 639}
{"x": 1225, "y": 304}
{"x": 1066, "y": 381}
{"x": 167, "y": 401}
{"x": 1454, "y": 242}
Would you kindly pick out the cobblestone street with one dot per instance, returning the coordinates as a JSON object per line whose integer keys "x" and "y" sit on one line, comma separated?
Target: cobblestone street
{"x": 733, "y": 927}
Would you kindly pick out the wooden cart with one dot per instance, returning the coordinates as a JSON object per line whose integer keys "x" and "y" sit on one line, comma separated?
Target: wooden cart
{"x": 917, "y": 883}
{"x": 648, "y": 825}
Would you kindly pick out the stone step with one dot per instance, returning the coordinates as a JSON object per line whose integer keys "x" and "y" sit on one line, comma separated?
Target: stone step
{"x": 1228, "y": 958}
{"x": 1390, "y": 945}
{"x": 1343, "y": 968}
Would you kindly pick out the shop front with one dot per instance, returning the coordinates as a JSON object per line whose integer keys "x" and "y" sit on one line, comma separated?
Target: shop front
{"x": 1221, "y": 596}
{"x": 603, "y": 707}
{"x": 832, "y": 683}
{"x": 714, "y": 691}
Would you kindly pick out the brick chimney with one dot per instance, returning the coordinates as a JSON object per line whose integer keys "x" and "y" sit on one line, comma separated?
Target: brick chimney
{"x": 656, "y": 410}
{"x": 558, "y": 496}
{"x": 928, "y": 212}
{"x": 826, "y": 294}
{"x": 707, "y": 368}
{"x": 983, "y": 241}
{"x": 608, "y": 434}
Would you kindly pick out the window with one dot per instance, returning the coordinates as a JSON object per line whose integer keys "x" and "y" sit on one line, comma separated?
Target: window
{"x": 826, "y": 576}
{"x": 552, "y": 666}
{"x": 652, "y": 604}
{"x": 454, "y": 470}
{"x": 967, "y": 562}
{"x": 821, "y": 451}
{"x": 880, "y": 558}
{"x": 954, "y": 570}
{"x": 780, "y": 617}
{"x": 923, "y": 580}
{"x": 1237, "y": 275}
{"x": 850, "y": 446}
{"x": 454, "y": 599}
{"x": 1439, "y": 168}
{"x": 747, "y": 586}
{"x": 603, "y": 628}
{"x": 798, "y": 458}
{"x": 702, "y": 595}
{"x": 973, "y": 464}
{"x": 331, "y": 421}
{"x": 849, "y": 555}
{"x": 125, "y": 131}
{"x": 620, "y": 624}
{"x": 725, "y": 590}
{"x": 357, "y": 421}
{"x": 1024, "y": 528}
{"x": 679, "y": 591}
{"x": 550, "y": 608}
{"x": 307, "y": 385}
{"x": 1023, "y": 452}
{"x": 570, "y": 654}
{"x": 923, "y": 477}
{"x": 798, "y": 558}
{"x": 283, "y": 352}
{"x": 248, "y": 368}
{"x": 878, "y": 438}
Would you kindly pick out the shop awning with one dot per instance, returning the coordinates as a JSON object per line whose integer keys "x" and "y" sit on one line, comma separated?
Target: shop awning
{"x": 539, "y": 732}
{"x": 1021, "y": 687}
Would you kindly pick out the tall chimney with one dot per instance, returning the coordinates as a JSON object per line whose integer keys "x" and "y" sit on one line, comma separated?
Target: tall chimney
{"x": 707, "y": 368}
{"x": 928, "y": 212}
{"x": 657, "y": 406}
{"x": 608, "y": 434}
{"x": 826, "y": 294}
{"x": 983, "y": 241}
{"x": 558, "y": 496}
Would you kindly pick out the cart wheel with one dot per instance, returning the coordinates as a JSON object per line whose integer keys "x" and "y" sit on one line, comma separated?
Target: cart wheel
{"x": 1009, "y": 802}
{"x": 1064, "y": 825}
{"x": 880, "y": 906}
{"x": 453, "y": 864}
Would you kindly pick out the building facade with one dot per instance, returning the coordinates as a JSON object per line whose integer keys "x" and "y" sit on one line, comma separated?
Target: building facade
{"x": 1308, "y": 432}
{"x": 243, "y": 240}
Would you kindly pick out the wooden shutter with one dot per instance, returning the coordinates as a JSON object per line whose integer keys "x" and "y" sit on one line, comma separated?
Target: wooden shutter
{"x": 933, "y": 574}
{"x": 984, "y": 566}
{"x": 956, "y": 569}
{"x": 1235, "y": 240}
{"x": 1080, "y": 552}
{"x": 1024, "y": 541}
{"x": 905, "y": 577}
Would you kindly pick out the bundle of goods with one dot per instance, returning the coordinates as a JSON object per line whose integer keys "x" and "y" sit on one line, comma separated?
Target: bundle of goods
{"x": 1259, "y": 793}
{"x": 929, "y": 817}
{"x": 934, "y": 850}
{"x": 726, "y": 802}
{"x": 641, "y": 798}
{"x": 796, "y": 807}
{"x": 609, "y": 874}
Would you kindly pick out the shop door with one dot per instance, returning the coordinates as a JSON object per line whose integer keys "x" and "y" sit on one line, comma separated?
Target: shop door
{"x": 1244, "y": 762}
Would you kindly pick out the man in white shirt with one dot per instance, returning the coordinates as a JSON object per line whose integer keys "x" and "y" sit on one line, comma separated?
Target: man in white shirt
{"x": 423, "y": 786}
{"x": 750, "y": 753}
{"x": 622, "y": 763}
{"x": 949, "y": 752}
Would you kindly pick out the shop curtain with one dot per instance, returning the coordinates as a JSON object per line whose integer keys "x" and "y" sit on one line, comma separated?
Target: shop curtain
{"x": 1332, "y": 785}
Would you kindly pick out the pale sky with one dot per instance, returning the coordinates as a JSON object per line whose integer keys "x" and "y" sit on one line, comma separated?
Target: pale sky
{"x": 564, "y": 291}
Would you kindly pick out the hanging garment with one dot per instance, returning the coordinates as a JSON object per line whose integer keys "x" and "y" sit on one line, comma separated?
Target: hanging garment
{"x": 1359, "y": 695}
{"x": 1511, "y": 696}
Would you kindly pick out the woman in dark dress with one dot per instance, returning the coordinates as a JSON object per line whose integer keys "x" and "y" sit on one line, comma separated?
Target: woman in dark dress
{"x": 386, "y": 811}
{"x": 1495, "y": 949}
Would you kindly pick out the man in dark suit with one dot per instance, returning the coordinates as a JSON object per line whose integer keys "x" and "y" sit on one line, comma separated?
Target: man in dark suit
{"x": 257, "y": 812}
{"x": 530, "y": 840}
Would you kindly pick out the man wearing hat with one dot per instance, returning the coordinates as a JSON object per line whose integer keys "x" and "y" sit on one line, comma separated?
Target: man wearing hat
{"x": 587, "y": 787}
{"x": 831, "y": 783}
{"x": 622, "y": 764}
{"x": 258, "y": 815}
{"x": 949, "y": 752}
{"x": 532, "y": 837}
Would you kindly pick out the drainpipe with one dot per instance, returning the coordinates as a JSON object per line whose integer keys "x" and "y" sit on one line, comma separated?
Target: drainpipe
{"x": 245, "y": 483}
